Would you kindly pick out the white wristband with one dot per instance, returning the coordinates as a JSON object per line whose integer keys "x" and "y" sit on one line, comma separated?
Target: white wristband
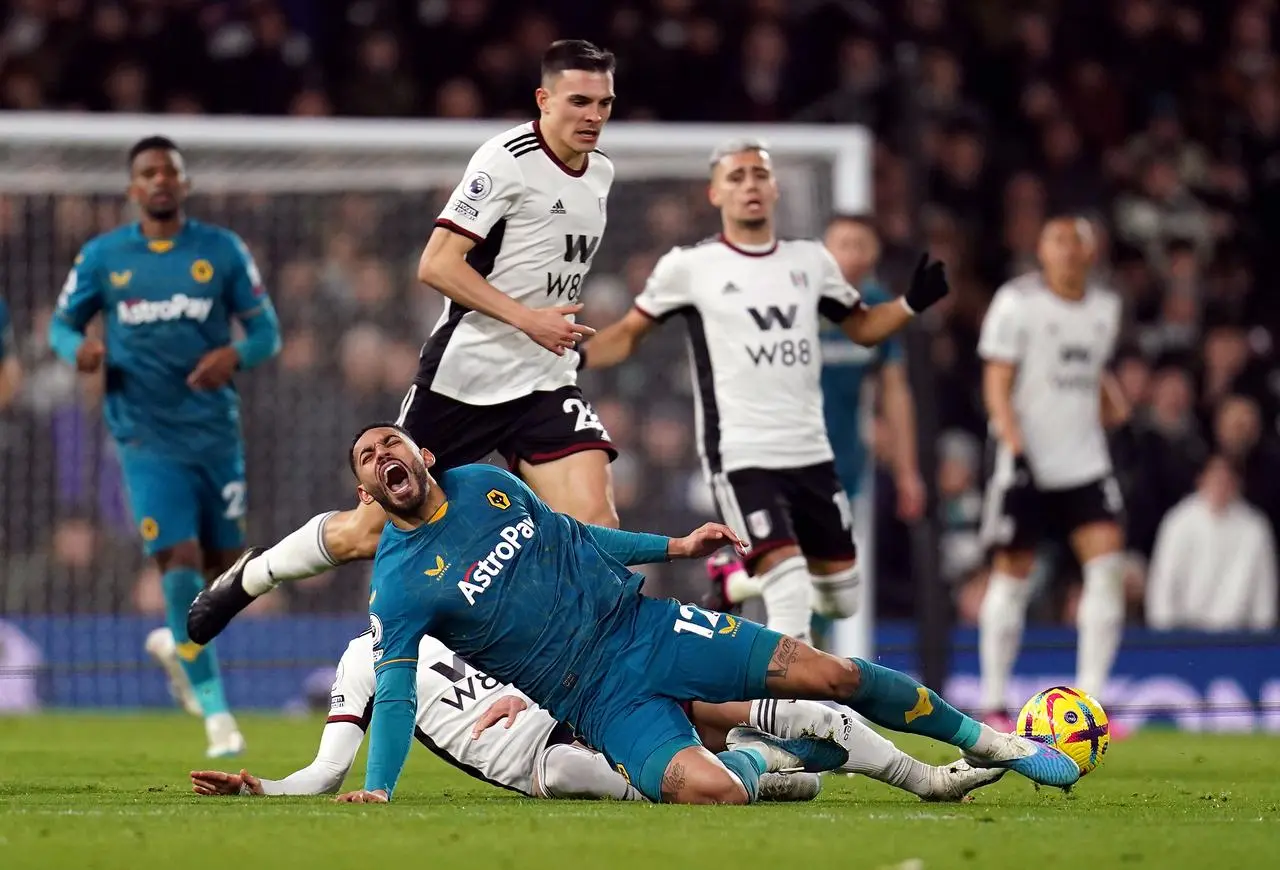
{"x": 910, "y": 310}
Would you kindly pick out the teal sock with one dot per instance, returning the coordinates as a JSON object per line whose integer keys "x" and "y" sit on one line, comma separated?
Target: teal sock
{"x": 747, "y": 765}
{"x": 893, "y": 700}
{"x": 181, "y": 585}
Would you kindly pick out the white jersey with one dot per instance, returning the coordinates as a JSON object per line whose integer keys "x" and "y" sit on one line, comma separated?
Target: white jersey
{"x": 753, "y": 319}
{"x": 536, "y": 224}
{"x": 452, "y": 696}
{"x": 1061, "y": 349}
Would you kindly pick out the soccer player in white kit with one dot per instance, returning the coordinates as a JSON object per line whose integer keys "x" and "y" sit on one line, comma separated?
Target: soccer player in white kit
{"x": 752, "y": 305}
{"x": 534, "y": 755}
{"x": 1046, "y": 341}
{"x": 510, "y": 251}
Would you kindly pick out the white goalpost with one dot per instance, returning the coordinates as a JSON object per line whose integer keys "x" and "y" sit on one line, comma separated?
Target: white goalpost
{"x": 336, "y": 212}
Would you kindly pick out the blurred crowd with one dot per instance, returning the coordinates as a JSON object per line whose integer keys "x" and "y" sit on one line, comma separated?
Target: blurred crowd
{"x": 1159, "y": 119}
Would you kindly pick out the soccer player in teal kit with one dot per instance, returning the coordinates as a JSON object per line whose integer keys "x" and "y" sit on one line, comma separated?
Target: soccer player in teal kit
{"x": 168, "y": 288}
{"x": 542, "y": 601}
{"x": 10, "y": 370}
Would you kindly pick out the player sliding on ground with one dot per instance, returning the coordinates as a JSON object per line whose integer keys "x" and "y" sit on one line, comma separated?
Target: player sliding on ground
{"x": 510, "y": 252}
{"x": 544, "y": 602}
{"x": 535, "y": 755}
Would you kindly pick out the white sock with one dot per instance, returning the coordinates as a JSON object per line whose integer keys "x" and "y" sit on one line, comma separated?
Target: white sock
{"x": 1099, "y": 621}
{"x": 869, "y": 753}
{"x": 740, "y": 586}
{"x": 571, "y": 772}
{"x": 218, "y": 725}
{"x": 835, "y": 596}
{"x": 299, "y": 554}
{"x": 787, "y": 594}
{"x": 1000, "y": 623}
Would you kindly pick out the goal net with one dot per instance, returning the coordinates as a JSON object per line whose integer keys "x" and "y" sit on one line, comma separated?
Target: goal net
{"x": 336, "y": 213}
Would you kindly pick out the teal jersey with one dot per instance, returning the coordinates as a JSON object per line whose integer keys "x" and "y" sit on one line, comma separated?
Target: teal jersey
{"x": 529, "y": 596}
{"x": 166, "y": 303}
{"x": 845, "y": 366}
{"x": 6, "y": 332}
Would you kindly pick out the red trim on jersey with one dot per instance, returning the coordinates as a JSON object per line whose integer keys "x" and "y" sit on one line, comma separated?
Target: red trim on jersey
{"x": 343, "y": 717}
{"x": 731, "y": 246}
{"x": 652, "y": 317}
{"x": 462, "y": 231}
{"x": 539, "y": 458}
{"x": 564, "y": 167}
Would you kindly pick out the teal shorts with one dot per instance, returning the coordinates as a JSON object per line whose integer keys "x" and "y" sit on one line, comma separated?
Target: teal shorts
{"x": 174, "y": 500}
{"x": 674, "y": 653}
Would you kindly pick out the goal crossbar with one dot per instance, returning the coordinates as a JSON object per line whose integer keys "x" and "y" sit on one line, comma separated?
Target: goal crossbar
{"x": 641, "y": 148}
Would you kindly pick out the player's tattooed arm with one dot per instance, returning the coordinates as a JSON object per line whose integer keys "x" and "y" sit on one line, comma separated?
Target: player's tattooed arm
{"x": 673, "y": 781}
{"x": 784, "y": 656}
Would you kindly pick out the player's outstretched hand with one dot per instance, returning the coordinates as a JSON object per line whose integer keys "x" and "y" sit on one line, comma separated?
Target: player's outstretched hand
{"x": 214, "y": 369}
{"x": 362, "y": 797}
{"x": 90, "y": 354}
{"x": 928, "y": 284}
{"x": 215, "y": 782}
{"x": 552, "y": 329}
{"x": 703, "y": 541}
{"x": 507, "y": 707}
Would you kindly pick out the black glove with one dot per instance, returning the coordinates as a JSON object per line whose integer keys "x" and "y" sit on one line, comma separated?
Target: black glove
{"x": 1020, "y": 494}
{"x": 928, "y": 284}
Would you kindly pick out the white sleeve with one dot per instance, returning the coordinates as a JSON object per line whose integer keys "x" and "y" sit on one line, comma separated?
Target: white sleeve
{"x": 837, "y": 298}
{"x": 339, "y": 744}
{"x": 1004, "y": 335}
{"x": 350, "y": 699}
{"x": 668, "y": 289}
{"x": 489, "y": 191}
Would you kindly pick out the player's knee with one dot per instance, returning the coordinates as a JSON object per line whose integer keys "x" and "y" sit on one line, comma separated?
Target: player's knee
{"x": 709, "y": 785}
{"x": 182, "y": 556}
{"x": 1014, "y": 563}
{"x": 838, "y": 678}
{"x": 352, "y": 535}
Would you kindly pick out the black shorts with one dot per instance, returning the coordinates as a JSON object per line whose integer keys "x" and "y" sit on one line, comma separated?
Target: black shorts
{"x": 779, "y": 507}
{"x": 1021, "y": 522}
{"x": 540, "y": 427}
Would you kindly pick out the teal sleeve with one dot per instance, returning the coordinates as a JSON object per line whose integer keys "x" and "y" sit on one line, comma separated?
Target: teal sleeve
{"x": 64, "y": 339}
{"x": 261, "y": 337}
{"x": 6, "y": 331}
{"x": 391, "y": 729}
{"x": 629, "y": 548}
{"x": 81, "y": 298}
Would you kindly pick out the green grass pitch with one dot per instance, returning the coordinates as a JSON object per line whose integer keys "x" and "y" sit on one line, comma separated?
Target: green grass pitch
{"x": 80, "y": 791}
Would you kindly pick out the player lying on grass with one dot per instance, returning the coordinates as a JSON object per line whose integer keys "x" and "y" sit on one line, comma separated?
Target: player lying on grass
{"x": 544, "y": 602}
{"x": 537, "y": 756}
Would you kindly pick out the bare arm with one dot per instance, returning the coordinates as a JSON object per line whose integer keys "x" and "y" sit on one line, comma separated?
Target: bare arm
{"x": 870, "y": 326}
{"x": 900, "y": 411}
{"x": 10, "y": 380}
{"x": 997, "y": 395}
{"x": 619, "y": 340}
{"x": 444, "y": 266}
{"x": 1115, "y": 408}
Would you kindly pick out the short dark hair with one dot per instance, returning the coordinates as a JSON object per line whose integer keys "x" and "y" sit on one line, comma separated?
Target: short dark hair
{"x": 858, "y": 218}
{"x": 351, "y": 451}
{"x": 152, "y": 143}
{"x": 567, "y": 54}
